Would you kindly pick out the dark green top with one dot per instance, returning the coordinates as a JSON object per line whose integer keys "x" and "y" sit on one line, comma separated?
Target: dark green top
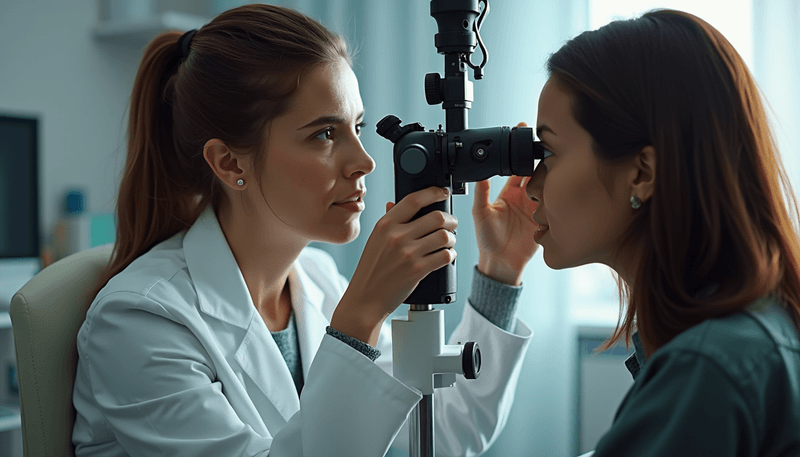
{"x": 726, "y": 387}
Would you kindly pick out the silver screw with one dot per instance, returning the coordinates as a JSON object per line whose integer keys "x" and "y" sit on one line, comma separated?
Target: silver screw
{"x": 480, "y": 153}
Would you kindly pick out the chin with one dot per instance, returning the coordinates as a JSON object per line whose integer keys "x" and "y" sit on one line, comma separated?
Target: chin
{"x": 554, "y": 262}
{"x": 346, "y": 235}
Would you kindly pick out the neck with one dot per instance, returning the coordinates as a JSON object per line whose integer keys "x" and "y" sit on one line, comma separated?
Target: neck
{"x": 265, "y": 256}
{"x": 627, "y": 262}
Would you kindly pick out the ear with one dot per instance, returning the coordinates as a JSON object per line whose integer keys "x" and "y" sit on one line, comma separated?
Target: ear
{"x": 644, "y": 173}
{"x": 224, "y": 163}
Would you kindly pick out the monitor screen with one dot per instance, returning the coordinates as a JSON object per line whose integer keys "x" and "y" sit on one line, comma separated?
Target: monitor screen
{"x": 19, "y": 187}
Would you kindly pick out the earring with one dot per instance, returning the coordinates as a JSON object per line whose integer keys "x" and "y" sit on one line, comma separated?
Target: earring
{"x": 636, "y": 202}
{"x": 240, "y": 182}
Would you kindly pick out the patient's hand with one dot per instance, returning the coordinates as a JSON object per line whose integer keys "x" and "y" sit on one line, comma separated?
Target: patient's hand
{"x": 504, "y": 230}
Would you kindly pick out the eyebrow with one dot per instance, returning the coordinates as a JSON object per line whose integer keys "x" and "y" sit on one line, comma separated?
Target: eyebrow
{"x": 544, "y": 128}
{"x": 326, "y": 120}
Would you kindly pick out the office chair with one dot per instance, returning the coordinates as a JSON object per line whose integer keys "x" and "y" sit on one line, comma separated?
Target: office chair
{"x": 46, "y": 314}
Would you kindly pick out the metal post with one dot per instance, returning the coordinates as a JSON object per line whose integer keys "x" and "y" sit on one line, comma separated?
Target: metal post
{"x": 420, "y": 423}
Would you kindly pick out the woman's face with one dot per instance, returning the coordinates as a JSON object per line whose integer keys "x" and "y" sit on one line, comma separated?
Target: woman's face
{"x": 315, "y": 162}
{"x": 582, "y": 218}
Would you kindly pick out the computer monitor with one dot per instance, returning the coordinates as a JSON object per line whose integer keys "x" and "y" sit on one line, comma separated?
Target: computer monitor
{"x": 19, "y": 187}
{"x": 19, "y": 204}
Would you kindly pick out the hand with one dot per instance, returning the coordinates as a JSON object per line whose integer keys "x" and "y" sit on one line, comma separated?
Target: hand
{"x": 397, "y": 256}
{"x": 504, "y": 230}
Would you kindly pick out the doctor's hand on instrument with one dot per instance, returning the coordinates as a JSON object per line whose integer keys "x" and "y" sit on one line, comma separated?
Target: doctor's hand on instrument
{"x": 505, "y": 229}
{"x": 398, "y": 255}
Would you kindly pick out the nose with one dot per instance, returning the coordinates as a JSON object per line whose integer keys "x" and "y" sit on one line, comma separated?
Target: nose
{"x": 534, "y": 188}
{"x": 359, "y": 162}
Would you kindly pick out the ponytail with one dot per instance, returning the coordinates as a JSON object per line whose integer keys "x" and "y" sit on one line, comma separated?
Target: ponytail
{"x": 240, "y": 72}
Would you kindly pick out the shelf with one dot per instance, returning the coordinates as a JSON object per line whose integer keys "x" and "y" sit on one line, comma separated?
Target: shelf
{"x": 141, "y": 31}
{"x": 10, "y": 418}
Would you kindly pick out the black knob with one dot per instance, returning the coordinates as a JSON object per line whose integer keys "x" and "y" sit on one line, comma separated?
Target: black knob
{"x": 471, "y": 360}
{"x": 389, "y": 128}
{"x": 433, "y": 93}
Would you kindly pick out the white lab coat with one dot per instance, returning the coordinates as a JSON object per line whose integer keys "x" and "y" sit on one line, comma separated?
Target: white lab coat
{"x": 175, "y": 361}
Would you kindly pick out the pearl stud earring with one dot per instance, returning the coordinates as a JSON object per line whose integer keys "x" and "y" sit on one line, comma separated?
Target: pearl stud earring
{"x": 240, "y": 182}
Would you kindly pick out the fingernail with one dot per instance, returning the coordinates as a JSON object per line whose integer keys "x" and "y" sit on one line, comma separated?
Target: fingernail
{"x": 446, "y": 191}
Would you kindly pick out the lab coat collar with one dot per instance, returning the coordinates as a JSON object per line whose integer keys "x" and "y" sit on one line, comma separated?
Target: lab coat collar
{"x": 221, "y": 288}
{"x": 219, "y": 283}
{"x": 223, "y": 295}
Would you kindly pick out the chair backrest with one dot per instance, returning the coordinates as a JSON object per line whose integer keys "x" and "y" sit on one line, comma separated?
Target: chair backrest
{"x": 46, "y": 314}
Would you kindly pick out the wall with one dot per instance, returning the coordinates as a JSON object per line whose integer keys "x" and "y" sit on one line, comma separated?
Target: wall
{"x": 52, "y": 67}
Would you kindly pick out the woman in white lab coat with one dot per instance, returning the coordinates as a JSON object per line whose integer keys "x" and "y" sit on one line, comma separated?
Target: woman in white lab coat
{"x": 217, "y": 330}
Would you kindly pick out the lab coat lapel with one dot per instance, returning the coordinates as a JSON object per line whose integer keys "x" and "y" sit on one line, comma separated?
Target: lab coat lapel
{"x": 261, "y": 360}
{"x": 307, "y": 301}
{"x": 225, "y": 300}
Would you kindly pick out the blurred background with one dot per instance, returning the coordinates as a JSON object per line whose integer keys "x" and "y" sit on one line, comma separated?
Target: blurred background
{"x": 67, "y": 69}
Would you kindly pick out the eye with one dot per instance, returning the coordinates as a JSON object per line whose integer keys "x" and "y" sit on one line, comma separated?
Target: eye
{"x": 360, "y": 126}
{"x": 325, "y": 135}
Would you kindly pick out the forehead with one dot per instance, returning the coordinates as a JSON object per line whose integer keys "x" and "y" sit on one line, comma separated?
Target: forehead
{"x": 327, "y": 90}
{"x": 555, "y": 107}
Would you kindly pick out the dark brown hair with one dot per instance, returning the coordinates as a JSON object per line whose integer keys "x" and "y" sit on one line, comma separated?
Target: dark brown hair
{"x": 241, "y": 72}
{"x": 716, "y": 234}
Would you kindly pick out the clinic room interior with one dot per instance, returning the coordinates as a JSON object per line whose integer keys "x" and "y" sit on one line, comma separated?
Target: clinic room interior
{"x": 66, "y": 74}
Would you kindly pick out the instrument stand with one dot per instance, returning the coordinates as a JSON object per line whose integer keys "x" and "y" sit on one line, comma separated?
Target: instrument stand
{"x": 422, "y": 360}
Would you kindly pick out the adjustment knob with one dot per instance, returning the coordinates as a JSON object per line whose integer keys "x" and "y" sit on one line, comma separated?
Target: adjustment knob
{"x": 389, "y": 128}
{"x": 386, "y": 124}
{"x": 414, "y": 159}
{"x": 433, "y": 93}
{"x": 471, "y": 360}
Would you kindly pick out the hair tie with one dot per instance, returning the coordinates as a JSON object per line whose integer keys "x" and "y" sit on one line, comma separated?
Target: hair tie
{"x": 184, "y": 41}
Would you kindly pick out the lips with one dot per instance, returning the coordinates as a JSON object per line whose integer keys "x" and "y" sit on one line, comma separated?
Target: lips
{"x": 354, "y": 197}
{"x": 540, "y": 231}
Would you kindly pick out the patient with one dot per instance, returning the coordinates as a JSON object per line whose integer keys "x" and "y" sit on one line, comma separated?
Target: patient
{"x": 661, "y": 165}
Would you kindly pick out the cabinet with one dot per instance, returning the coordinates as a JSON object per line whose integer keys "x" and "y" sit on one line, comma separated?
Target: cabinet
{"x": 602, "y": 384}
{"x": 14, "y": 273}
{"x": 10, "y": 419}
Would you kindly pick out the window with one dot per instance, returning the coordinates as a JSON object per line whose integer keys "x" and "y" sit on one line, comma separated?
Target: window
{"x": 733, "y": 18}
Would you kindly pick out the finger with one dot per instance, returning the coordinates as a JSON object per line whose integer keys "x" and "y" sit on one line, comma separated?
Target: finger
{"x": 431, "y": 222}
{"x": 522, "y": 182}
{"x": 432, "y": 242}
{"x": 389, "y": 205}
{"x": 439, "y": 259}
{"x": 512, "y": 183}
{"x": 522, "y": 124}
{"x": 410, "y": 205}
{"x": 481, "y": 204}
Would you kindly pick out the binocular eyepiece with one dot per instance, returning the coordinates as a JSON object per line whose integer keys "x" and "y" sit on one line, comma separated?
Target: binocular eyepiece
{"x": 438, "y": 158}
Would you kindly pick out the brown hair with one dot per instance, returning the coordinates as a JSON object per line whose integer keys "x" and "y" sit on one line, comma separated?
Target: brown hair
{"x": 241, "y": 72}
{"x": 716, "y": 234}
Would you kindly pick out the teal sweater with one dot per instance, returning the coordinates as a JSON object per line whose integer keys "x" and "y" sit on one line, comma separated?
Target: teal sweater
{"x": 726, "y": 387}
